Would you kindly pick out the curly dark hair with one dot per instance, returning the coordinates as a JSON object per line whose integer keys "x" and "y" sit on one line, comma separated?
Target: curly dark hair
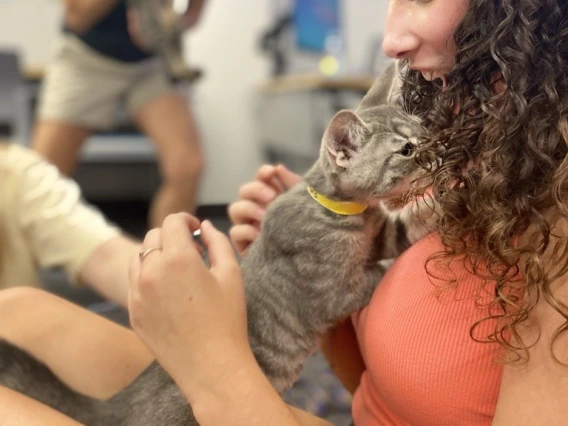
{"x": 504, "y": 167}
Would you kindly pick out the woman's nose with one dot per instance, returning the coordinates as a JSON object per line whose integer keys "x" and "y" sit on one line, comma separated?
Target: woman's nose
{"x": 399, "y": 46}
{"x": 400, "y": 41}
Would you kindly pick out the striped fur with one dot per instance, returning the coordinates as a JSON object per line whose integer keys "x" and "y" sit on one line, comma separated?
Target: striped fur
{"x": 311, "y": 268}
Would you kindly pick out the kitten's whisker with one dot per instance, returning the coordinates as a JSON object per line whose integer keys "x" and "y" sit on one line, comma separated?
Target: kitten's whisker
{"x": 381, "y": 134}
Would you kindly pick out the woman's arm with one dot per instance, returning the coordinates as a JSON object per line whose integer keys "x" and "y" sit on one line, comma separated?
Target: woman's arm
{"x": 342, "y": 352}
{"x": 62, "y": 230}
{"x": 194, "y": 12}
{"x": 535, "y": 393}
{"x": 19, "y": 410}
{"x": 80, "y": 15}
{"x": 238, "y": 393}
{"x": 193, "y": 319}
{"x": 106, "y": 270}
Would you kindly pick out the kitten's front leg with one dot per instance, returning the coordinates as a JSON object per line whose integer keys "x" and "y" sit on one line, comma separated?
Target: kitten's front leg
{"x": 374, "y": 275}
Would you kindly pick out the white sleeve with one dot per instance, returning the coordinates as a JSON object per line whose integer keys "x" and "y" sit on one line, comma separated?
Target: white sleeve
{"x": 60, "y": 228}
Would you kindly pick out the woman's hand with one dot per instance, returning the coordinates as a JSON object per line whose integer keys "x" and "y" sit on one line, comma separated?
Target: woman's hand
{"x": 254, "y": 197}
{"x": 192, "y": 318}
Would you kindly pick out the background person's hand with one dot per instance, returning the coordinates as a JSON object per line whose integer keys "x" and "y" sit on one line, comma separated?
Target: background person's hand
{"x": 192, "y": 318}
{"x": 247, "y": 213}
{"x": 133, "y": 22}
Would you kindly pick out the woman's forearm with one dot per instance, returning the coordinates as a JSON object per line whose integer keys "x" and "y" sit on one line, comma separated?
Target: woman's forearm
{"x": 238, "y": 393}
{"x": 342, "y": 352}
{"x": 18, "y": 410}
{"x": 194, "y": 11}
{"x": 80, "y": 15}
{"x": 106, "y": 271}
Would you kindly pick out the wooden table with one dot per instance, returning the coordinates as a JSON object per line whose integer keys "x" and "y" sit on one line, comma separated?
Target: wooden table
{"x": 316, "y": 81}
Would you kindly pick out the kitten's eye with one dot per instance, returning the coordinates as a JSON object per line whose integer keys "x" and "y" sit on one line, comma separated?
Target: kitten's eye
{"x": 407, "y": 150}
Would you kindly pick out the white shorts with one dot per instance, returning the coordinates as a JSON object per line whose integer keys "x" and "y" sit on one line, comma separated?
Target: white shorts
{"x": 86, "y": 88}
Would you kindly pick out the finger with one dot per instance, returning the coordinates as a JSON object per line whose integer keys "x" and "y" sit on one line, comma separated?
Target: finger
{"x": 267, "y": 175}
{"x": 265, "y": 172}
{"x": 286, "y": 177}
{"x": 221, "y": 254}
{"x": 129, "y": 303}
{"x": 152, "y": 239}
{"x": 245, "y": 211}
{"x": 134, "y": 270}
{"x": 258, "y": 191}
{"x": 177, "y": 231}
{"x": 242, "y": 236}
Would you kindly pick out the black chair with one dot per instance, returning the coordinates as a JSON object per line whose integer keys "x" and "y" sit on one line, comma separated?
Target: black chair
{"x": 14, "y": 120}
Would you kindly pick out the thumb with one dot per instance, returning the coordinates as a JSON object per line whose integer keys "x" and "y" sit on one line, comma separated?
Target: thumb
{"x": 288, "y": 178}
{"x": 221, "y": 254}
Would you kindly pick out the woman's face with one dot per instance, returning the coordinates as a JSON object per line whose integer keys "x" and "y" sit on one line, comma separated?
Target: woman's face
{"x": 422, "y": 31}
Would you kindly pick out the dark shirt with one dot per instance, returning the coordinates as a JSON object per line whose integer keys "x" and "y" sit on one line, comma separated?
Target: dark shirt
{"x": 110, "y": 37}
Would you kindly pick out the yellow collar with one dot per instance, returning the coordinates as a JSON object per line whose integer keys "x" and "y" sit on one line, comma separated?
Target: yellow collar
{"x": 345, "y": 208}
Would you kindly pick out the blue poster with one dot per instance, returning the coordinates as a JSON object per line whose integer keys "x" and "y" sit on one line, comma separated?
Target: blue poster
{"x": 314, "y": 21}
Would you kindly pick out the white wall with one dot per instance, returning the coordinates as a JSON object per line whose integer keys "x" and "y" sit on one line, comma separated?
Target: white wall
{"x": 31, "y": 26}
{"x": 226, "y": 46}
{"x": 362, "y": 19}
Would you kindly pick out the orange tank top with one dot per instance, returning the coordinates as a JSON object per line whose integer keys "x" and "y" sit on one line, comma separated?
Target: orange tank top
{"x": 423, "y": 367}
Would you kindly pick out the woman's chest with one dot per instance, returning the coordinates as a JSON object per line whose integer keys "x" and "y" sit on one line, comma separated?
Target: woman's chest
{"x": 423, "y": 366}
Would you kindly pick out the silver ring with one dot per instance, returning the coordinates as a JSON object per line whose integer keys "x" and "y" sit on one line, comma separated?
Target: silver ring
{"x": 146, "y": 252}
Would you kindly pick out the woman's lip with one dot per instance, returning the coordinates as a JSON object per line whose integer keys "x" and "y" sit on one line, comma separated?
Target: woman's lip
{"x": 431, "y": 75}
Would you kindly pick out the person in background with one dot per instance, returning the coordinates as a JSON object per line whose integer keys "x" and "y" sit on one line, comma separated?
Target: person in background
{"x": 99, "y": 67}
{"x": 45, "y": 223}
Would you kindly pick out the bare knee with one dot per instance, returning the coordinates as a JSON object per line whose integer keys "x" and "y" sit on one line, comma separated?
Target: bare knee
{"x": 183, "y": 167}
{"x": 59, "y": 143}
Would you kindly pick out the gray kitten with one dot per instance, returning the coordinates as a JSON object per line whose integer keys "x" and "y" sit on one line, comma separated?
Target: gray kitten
{"x": 161, "y": 30}
{"x": 309, "y": 269}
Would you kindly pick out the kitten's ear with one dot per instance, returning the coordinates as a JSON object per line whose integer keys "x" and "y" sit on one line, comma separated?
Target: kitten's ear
{"x": 344, "y": 136}
{"x": 386, "y": 88}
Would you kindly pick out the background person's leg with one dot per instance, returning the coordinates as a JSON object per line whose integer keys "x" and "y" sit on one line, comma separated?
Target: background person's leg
{"x": 80, "y": 93}
{"x": 168, "y": 121}
{"x": 19, "y": 410}
{"x": 90, "y": 354}
{"x": 60, "y": 143}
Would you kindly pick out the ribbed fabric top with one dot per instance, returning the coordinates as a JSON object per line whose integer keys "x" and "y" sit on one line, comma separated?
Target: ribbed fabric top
{"x": 423, "y": 367}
